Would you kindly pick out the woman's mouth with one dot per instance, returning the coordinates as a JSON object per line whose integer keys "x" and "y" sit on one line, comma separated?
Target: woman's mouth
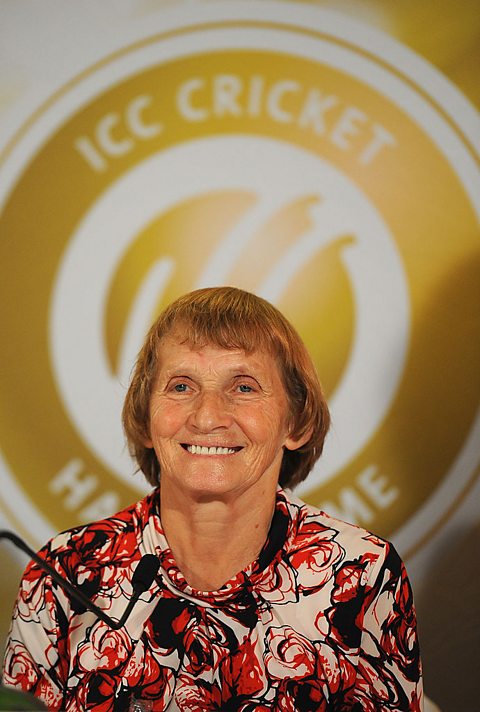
{"x": 210, "y": 450}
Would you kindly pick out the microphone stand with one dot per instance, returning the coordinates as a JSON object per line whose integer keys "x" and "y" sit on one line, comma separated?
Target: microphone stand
{"x": 142, "y": 579}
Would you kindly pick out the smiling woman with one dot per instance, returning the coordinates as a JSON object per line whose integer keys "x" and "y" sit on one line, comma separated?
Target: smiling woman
{"x": 261, "y": 602}
{"x": 211, "y": 399}
{"x": 243, "y": 325}
{"x": 219, "y": 428}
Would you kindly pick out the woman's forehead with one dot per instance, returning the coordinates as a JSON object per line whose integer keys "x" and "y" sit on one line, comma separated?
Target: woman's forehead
{"x": 175, "y": 352}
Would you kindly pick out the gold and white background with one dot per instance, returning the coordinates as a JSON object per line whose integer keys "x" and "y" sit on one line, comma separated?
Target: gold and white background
{"x": 324, "y": 155}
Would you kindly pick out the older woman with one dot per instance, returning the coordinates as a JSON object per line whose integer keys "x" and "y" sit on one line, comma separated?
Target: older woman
{"x": 261, "y": 602}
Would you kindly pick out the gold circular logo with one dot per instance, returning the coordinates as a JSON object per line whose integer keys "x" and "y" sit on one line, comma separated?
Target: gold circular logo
{"x": 290, "y": 161}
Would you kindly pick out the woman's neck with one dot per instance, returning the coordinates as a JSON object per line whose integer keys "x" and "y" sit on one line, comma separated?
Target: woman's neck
{"x": 212, "y": 540}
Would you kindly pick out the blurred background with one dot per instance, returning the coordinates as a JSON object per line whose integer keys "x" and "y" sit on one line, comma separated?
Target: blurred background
{"x": 322, "y": 154}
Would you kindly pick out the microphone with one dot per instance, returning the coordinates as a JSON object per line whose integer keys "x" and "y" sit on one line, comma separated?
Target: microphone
{"x": 142, "y": 579}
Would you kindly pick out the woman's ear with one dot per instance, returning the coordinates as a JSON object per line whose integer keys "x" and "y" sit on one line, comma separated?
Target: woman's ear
{"x": 294, "y": 443}
{"x": 147, "y": 441}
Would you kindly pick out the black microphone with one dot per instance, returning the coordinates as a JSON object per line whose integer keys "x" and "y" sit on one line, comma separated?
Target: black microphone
{"x": 142, "y": 579}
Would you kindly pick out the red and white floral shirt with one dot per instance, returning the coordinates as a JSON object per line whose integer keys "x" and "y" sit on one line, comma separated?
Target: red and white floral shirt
{"x": 322, "y": 620}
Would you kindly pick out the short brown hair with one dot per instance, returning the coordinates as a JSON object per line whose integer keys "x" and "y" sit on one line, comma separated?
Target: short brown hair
{"x": 231, "y": 318}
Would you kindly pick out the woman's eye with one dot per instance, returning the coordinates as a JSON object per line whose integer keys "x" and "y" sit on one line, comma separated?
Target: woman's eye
{"x": 244, "y": 388}
{"x": 180, "y": 387}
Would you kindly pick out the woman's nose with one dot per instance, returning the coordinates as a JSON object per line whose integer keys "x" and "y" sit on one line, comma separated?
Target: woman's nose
{"x": 210, "y": 411}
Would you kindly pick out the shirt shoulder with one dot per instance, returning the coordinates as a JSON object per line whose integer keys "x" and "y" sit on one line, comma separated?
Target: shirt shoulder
{"x": 313, "y": 525}
{"x": 112, "y": 539}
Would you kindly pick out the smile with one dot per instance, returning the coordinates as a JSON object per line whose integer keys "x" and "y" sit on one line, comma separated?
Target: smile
{"x": 203, "y": 450}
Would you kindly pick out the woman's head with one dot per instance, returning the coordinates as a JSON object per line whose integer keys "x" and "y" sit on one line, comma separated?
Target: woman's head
{"x": 230, "y": 318}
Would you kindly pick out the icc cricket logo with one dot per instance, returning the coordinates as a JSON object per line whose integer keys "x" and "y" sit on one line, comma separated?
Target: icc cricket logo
{"x": 293, "y": 162}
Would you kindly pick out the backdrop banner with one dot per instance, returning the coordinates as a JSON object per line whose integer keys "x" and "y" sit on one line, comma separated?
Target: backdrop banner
{"x": 326, "y": 158}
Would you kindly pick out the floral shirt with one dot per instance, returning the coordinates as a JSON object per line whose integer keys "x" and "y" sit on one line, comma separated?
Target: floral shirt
{"x": 322, "y": 620}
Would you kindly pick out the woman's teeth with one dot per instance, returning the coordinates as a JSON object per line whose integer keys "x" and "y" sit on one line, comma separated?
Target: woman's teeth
{"x": 202, "y": 450}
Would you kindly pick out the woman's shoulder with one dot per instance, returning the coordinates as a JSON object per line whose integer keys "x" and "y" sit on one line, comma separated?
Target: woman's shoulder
{"x": 314, "y": 524}
{"x": 327, "y": 552}
{"x": 105, "y": 540}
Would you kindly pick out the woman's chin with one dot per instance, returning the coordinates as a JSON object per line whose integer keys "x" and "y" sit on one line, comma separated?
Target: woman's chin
{"x": 211, "y": 490}
{"x": 199, "y": 483}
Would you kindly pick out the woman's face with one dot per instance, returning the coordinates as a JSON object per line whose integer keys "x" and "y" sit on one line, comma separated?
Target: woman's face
{"x": 218, "y": 419}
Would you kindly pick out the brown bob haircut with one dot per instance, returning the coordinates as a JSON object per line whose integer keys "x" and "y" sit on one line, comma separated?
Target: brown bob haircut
{"x": 231, "y": 318}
